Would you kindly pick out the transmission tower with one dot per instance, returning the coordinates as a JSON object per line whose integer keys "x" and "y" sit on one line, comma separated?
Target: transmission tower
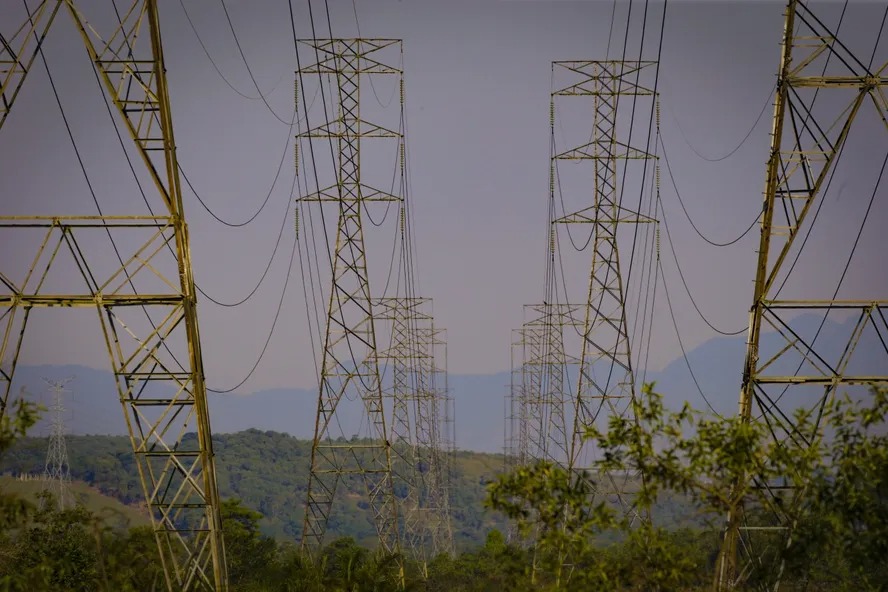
{"x": 537, "y": 427}
{"x": 544, "y": 372}
{"x": 606, "y": 381}
{"x": 431, "y": 445}
{"x": 146, "y": 301}
{"x": 56, "y": 475}
{"x": 789, "y": 368}
{"x": 402, "y": 355}
{"x": 441, "y": 445}
{"x": 416, "y": 425}
{"x": 446, "y": 426}
{"x": 524, "y": 384}
{"x": 350, "y": 360}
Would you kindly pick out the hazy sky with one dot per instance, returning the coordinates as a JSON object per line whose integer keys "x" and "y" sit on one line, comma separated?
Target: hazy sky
{"x": 477, "y": 76}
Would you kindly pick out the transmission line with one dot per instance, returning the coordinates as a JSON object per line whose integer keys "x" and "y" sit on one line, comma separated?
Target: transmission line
{"x": 684, "y": 352}
{"x": 738, "y": 146}
{"x": 691, "y": 220}
{"x": 215, "y": 66}
{"x": 250, "y": 70}
{"x": 685, "y": 284}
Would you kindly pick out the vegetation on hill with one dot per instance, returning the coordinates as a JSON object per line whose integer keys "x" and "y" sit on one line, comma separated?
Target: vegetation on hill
{"x": 268, "y": 471}
{"x": 113, "y": 512}
{"x": 567, "y": 538}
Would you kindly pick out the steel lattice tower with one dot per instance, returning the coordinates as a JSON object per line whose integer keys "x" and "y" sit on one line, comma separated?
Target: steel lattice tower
{"x": 416, "y": 425}
{"x": 401, "y": 355}
{"x": 543, "y": 380}
{"x": 521, "y": 447}
{"x": 606, "y": 380}
{"x": 56, "y": 474}
{"x": 350, "y": 360}
{"x": 443, "y": 421}
{"x": 431, "y": 447}
{"x": 789, "y": 369}
{"x": 162, "y": 395}
{"x": 537, "y": 427}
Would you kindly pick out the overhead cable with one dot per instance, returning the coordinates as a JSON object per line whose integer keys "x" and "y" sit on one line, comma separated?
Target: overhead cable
{"x": 250, "y": 70}
{"x": 691, "y": 220}
{"x": 738, "y": 146}
{"x": 213, "y": 62}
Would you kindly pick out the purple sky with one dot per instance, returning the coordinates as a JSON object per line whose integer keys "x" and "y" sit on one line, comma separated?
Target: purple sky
{"x": 477, "y": 76}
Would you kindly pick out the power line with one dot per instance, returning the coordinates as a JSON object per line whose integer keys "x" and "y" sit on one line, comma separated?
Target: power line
{"x": 250, "y": 70}
{"x": 688, "y": 216}
{"x": 684, "y": 352}
{"x": 684, "y": 282}
{"x": 267, "y": 265}
{"x": 213, "y": 62}
{"x": 261, "y": 207}
{"x": 738, "y": 146}
{"x": 270, "y": 332}
{"x": 151, "y": 210}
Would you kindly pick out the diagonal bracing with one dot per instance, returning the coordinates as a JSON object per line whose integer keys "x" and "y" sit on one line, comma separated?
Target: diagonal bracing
{"x": 350, "y": 359}
{"x": 606, "y": 379}
{"x": 822, "y": 89}
{"x": 145, "y": 302}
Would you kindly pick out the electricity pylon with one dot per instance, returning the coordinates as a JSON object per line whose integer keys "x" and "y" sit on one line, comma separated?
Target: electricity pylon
{"x": 543, "y": 379}
{"x": 431, "y": 461}
{"x": 523, "y": 392}
{"x": 146, "y": 301}
{"x": 435, "y": 393}
{"x": 401, "y": 315}
{"x": 56, "y": 472}
{"x": 444, "y": 422}
{"x": 350, "y": 361}
{"x": 415, "y": 430}
{"x": 791, "y": 370}
{"x": 606, "y": 380}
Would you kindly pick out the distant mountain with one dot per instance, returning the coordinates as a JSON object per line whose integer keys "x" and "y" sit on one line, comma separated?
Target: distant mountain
{"x": 95, "y": 407}
{"x": 479, "y": 398}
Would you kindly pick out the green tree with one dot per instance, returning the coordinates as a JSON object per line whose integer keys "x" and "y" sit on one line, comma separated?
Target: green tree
{"x": 495, "y": 566}
{"x": 841, "y": 482}
{"x": 248, "y": 553}
{"x": 841, "y": 541}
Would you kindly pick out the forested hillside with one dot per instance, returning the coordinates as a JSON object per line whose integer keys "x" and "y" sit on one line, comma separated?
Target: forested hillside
{"x": 268, "y": 471}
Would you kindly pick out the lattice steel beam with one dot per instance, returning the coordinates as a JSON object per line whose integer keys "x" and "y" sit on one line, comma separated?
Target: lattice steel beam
{"x": 146, "y": 306}
{"x": 350, "y": 362}
{"x": 806, "y": 143}
{"x": 605, "y": 338}
{"x": 18, "y": 50}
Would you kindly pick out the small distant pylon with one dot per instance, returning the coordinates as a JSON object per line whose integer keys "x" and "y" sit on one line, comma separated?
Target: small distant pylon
{"x": 543, "y": 377}
{"x": 418, "y": 461}
{"x": 56, "y": 472}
